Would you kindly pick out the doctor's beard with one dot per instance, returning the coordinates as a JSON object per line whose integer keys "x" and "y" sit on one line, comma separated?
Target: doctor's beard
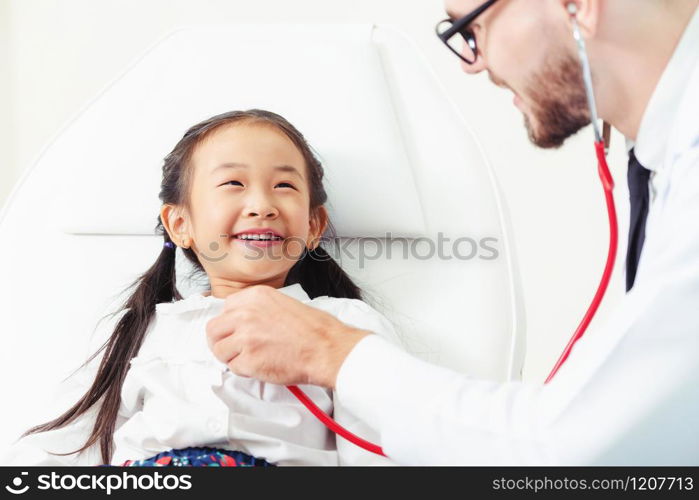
{"x": 558, "y": 103}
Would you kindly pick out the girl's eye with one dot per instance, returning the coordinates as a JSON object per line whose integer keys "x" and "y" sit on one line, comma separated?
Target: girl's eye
{"x": 233, "y": 183}
{"x": 286, "y": 184}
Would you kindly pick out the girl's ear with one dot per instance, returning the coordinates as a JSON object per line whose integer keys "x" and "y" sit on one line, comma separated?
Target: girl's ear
{"x": 317, "y": 223}
{"x": 176, "y": 222}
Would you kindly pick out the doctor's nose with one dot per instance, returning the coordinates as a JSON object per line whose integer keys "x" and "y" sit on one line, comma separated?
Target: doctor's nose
{"x": 475, "y": 68}
{"x": 471, "y": 51}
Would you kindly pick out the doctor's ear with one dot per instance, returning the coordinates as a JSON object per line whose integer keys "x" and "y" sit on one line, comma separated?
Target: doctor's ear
{"x": 175, "y": 220}
{"x": 585, "y": 11}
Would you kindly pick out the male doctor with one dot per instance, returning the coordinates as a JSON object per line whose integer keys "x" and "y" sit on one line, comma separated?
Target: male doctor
{"x": 629, "y": 392}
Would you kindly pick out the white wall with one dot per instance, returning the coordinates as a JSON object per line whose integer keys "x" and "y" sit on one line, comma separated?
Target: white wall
{"x": 61, "y": 53}
{"x": 8, "y": 167}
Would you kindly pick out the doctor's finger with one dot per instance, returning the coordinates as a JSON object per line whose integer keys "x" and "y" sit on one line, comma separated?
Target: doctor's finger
{"x": 248, "y": 298}
{"x": 226, "y": 349}
{"x": 223, "y": 325}
{"x": 240, "y": 366}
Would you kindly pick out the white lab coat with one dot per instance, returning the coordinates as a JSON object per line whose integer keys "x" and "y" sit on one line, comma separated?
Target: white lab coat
{"x": 177, "y": 394}
{"x": 629, "y": 392}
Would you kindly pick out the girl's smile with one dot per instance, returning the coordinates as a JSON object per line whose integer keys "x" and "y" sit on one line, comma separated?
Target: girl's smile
{"x": 259, "y": 237}
{"x": 250, "y": 218}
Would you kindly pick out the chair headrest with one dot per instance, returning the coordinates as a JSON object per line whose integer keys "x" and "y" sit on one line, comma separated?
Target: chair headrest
{"x": 112, "y": 160}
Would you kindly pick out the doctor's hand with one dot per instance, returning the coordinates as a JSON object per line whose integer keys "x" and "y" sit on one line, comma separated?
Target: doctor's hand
{"x": 267, "y": 335}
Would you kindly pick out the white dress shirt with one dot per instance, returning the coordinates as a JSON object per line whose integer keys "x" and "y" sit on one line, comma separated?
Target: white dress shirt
{"x": 628, "y": 393}
{"x": 177, "y": 394}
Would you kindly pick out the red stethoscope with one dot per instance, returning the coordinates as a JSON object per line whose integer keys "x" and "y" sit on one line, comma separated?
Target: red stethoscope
{"x": 601, "y": 149}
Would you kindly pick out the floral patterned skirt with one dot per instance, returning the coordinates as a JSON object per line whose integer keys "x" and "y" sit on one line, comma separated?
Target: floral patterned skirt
{"x": 199, "y": 457}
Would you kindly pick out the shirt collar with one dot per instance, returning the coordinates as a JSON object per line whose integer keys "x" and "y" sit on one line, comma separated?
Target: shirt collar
{"x": 656, "y": 124}
{"x": 295, "y": 291}
{"x": 200, "y": 301}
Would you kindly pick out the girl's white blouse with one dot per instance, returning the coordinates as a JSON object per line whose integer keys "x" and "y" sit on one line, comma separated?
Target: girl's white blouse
{"x": 177, "y": 394}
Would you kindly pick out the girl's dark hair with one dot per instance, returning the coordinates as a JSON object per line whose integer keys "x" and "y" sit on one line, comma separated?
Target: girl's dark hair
{"x": 316, "y": 271}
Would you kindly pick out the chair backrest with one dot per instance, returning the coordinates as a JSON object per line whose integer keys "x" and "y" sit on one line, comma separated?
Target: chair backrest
{"x": 404, "y": 173}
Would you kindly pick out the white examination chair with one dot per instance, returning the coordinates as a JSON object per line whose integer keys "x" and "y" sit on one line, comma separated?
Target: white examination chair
{"x": 401, "y": 166}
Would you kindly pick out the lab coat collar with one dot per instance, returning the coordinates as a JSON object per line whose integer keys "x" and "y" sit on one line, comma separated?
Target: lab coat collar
{"x": 656, "y": 125}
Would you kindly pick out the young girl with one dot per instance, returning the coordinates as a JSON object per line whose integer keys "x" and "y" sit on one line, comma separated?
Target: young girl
{"x": 243, "y": 199}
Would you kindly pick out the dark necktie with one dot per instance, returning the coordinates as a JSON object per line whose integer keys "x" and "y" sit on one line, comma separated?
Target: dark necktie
{"x": 638, "y": 194}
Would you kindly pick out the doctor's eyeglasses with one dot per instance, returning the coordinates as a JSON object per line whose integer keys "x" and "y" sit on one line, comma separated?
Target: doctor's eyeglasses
{"x": 458, "y": 36}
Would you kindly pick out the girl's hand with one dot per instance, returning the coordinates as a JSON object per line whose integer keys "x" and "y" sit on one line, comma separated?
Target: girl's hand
{"x": 267, "y": 335}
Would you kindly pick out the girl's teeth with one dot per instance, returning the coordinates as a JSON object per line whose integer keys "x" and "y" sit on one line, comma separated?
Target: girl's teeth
{"x": 258, "y": 237}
